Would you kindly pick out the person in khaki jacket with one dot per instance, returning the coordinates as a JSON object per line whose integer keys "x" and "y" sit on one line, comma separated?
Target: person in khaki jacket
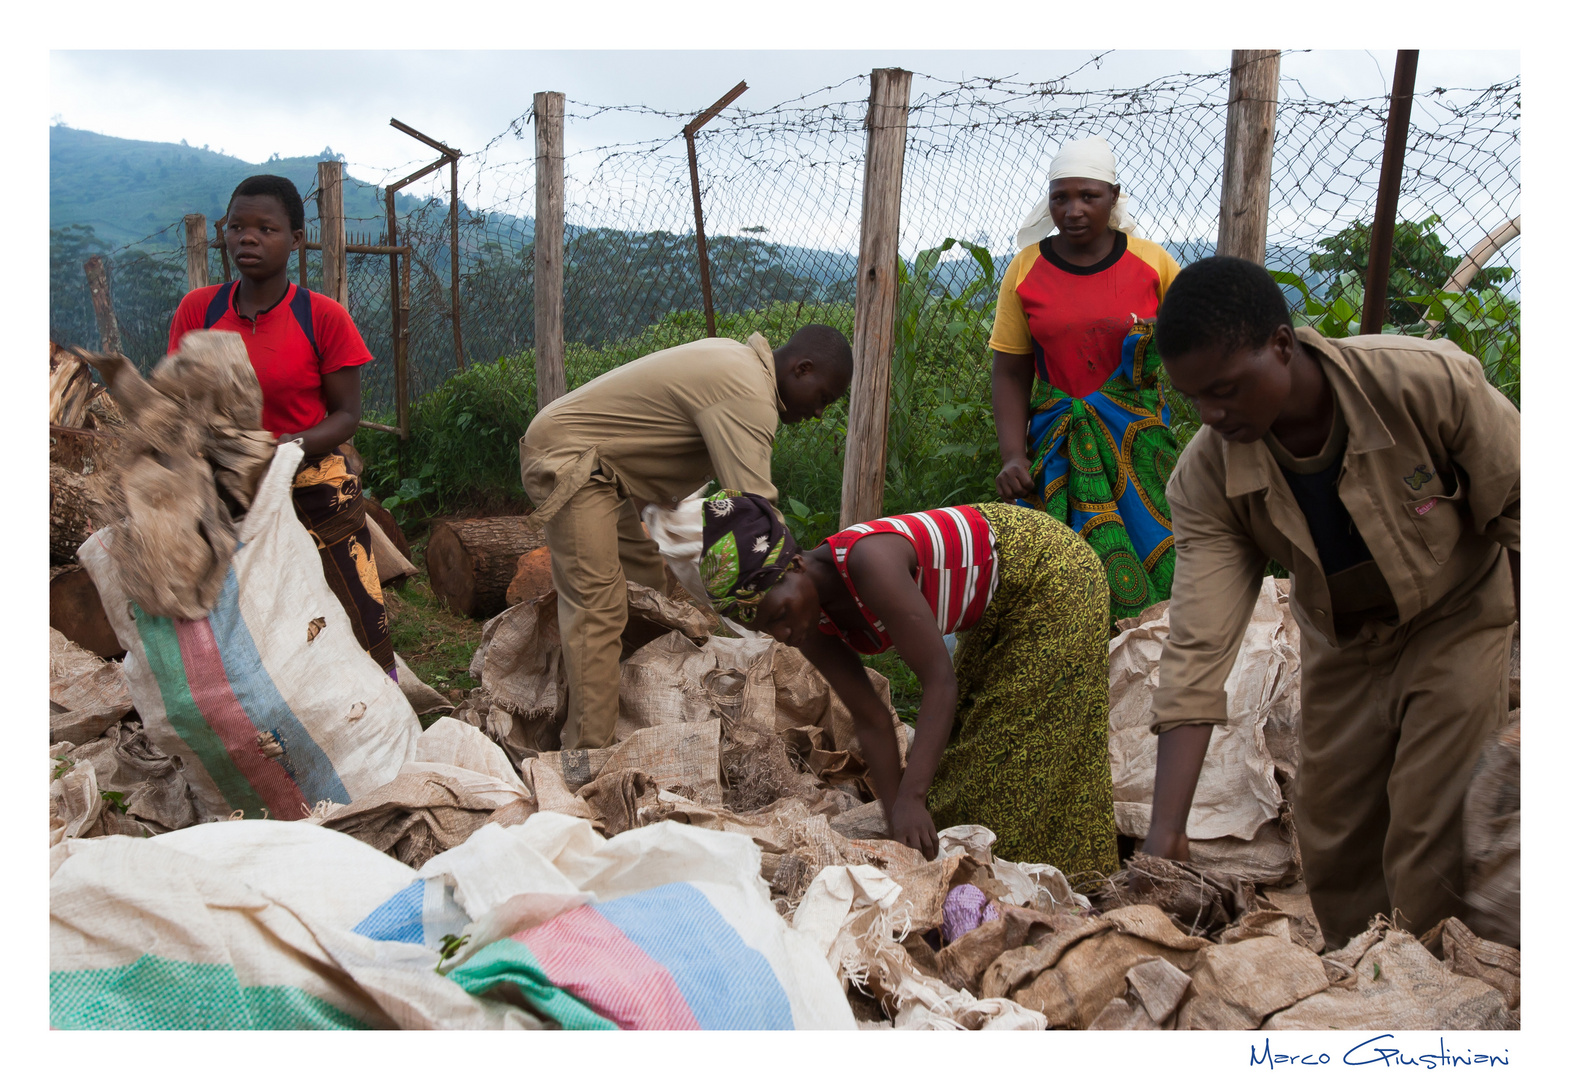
{"x": 1384, "y": 473}
{"x": 654, "y": 429}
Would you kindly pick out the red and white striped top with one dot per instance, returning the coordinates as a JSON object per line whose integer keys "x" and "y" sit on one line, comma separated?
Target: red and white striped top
{"x": 956, "y": 569}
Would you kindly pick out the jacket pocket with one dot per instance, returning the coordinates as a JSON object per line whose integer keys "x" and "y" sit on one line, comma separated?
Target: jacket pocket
{"x": 1440, "y": 520}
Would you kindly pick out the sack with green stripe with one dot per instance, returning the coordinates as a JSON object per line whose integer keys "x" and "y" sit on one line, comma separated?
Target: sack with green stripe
{"x": 269, "y": 701}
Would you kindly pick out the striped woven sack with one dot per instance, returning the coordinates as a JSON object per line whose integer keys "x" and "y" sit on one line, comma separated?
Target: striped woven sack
{"x": 269, "y": 701}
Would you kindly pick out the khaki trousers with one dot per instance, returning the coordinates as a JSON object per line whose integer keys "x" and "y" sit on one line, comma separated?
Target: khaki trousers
{"x": 597, "y": 545}
{"x": 1393, "y": 724}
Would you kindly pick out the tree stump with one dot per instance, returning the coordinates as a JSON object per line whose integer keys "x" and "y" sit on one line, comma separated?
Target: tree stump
{"x": 77, "y": 612}
{"x": 471, "y": 562}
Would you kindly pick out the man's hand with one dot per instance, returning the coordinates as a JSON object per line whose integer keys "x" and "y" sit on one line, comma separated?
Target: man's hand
{"x": 1015, "y": 481}
{"x": 911, "y": 825}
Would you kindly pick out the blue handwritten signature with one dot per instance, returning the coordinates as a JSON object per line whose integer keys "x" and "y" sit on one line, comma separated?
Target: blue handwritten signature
{"x": 1378, "y": 1051}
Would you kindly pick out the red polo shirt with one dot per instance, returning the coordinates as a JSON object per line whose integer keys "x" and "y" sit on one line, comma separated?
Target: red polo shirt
{"x": 288, "y": 368}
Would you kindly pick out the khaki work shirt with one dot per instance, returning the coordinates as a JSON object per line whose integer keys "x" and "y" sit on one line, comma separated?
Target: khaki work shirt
{"x": 1431, "y": 477}
{"x": 661, "y": 426}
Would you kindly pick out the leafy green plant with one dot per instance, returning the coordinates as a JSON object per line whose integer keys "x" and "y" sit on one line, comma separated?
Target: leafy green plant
{"x": 1419, "y": 264}
{"x": 451, "y": 943}
{"x": 115, "y": 799}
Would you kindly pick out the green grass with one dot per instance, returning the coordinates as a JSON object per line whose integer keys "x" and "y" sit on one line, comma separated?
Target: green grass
{"x": 436, "y": 644}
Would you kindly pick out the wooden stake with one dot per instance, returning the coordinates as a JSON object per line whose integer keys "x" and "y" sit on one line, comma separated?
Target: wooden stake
{"x": 329, "y": 217}
{"x": 550, "y": 226}
{"x": 1251, "y": 136}
{"x": 452, "y": 220}
{"x": 877, "y": 293}
{"x": 103, "y": 303}
{"x": 689, "y": 132}
{"x": 196, "y": 251}
{"x": 1377, "y": 286}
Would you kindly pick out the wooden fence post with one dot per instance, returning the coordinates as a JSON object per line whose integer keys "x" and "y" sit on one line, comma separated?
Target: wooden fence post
{"x": 103, "y": 303}
{"x": 1376, "y": 287}
{"x": 196, "y": 251}
{"x": 1251, "y": 136}
{"x": 550, "y": 225}
{"x": 329, "y": 217}
{"x": 877, "y": 294}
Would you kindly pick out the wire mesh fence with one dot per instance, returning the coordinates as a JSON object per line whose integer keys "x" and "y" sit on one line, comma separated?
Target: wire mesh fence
{"x": 781, "y": 190}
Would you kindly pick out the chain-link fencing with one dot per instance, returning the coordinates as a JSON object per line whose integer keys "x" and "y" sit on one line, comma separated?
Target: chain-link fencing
{"x": 782, "y": 190}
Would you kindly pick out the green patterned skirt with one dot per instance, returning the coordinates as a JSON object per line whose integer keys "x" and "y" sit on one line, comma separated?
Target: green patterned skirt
{"x": 1028, "y": 754}
{"x": 1100, "y": 463}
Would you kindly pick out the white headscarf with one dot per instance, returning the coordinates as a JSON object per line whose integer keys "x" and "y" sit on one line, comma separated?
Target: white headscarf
{"x": 1090, "y": 158}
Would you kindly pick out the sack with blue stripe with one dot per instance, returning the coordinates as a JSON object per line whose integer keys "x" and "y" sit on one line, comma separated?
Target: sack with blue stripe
{"x": 269, "y": 701}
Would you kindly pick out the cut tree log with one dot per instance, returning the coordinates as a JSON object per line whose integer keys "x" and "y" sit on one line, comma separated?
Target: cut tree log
{"x": 76, "y": 611}
{"x": 532, "y": 579}
{"x": 471, "y": 562}
{"x": 76, "y": 508}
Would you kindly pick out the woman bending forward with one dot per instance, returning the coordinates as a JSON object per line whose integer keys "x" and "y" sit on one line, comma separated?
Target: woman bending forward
{"x": 1012, "y": 734}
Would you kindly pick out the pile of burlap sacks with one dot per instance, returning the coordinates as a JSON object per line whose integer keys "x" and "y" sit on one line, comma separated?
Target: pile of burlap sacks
{"x": 737, "y": 733}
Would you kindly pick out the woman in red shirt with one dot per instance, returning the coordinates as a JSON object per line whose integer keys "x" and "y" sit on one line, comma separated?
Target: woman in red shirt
{"x": 1011, "y": 733}
{"x": 1090, "y": 444}
{"x": 307, "y": 355}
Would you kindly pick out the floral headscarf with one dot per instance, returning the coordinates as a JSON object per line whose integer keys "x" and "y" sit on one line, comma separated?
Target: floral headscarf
{"x": 746, "y": 550}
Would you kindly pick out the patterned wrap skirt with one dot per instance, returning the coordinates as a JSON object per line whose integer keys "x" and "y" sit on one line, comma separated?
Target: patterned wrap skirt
{"x": 1027, "y": 756}
{"x": 1100, "y": 464}
{"x": 328, "y": 503}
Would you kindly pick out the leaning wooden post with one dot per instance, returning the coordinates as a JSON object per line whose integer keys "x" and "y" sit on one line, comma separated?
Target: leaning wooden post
{"x": 329, "y": 217}
{"x": 550, "y": 226}
{"x": 103, "y": 303}
{"x": 1377, "y": 286}
{"x": 196, "y": 251}
{"x": 877, "y": 294}
{"x": 690, "y": 132}
{"x": 1251, "y": 136}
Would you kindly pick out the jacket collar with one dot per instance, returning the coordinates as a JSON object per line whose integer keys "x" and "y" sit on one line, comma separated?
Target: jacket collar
{"x": 1248, "y": 466}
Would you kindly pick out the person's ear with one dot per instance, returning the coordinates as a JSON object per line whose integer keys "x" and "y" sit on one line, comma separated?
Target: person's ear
{"x": 803, "y": 367}
{"x": 298, "y": 237}
{"x": 1283, "y": 343}
{"x": 797, "y": 564}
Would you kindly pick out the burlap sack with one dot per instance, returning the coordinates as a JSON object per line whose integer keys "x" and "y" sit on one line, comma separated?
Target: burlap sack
{"x": 1393, "y": 983}
{"x": 87, "y": 695}
{"x": 1239, "y": 792}
{"x": 1155, "y": 990}
{"x": 1073, "y": 974}
{"x": 1467, "y": 954}
{"x": 680, "y": 757}
{"x": 118, "y": 783}
{"x": 1237, "y": 985}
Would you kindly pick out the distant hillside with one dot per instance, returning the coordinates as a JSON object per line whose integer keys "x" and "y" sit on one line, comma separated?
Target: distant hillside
{"x": 127, "y": 189}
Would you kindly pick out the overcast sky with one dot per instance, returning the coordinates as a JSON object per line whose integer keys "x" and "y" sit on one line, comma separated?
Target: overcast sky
{"x": 466, "y": 98}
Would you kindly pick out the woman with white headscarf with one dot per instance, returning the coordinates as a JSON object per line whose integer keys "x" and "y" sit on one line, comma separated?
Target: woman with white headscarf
{"x": 1082, "y": 423}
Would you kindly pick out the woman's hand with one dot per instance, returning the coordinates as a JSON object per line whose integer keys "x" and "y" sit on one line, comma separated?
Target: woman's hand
{"x": 1015, "y": 481}
{"x": 1167, "y": 845}
{"x": 911, "y": 825}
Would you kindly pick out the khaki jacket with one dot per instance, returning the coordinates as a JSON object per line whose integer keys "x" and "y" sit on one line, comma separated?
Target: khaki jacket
{"x": 660, "y": 427}
{"x": 1431, "y": 476}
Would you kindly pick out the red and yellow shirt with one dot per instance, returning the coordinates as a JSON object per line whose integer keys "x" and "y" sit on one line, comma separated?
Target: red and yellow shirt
{"x": 287, "y": 365}
{"x": 1073, "y": 319}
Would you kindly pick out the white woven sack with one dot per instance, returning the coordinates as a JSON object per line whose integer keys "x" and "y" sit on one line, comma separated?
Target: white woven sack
{"x": 269, "y": 701}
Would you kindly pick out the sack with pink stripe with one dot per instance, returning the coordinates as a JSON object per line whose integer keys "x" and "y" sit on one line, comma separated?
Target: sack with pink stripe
{"x": 269, "y": 701}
